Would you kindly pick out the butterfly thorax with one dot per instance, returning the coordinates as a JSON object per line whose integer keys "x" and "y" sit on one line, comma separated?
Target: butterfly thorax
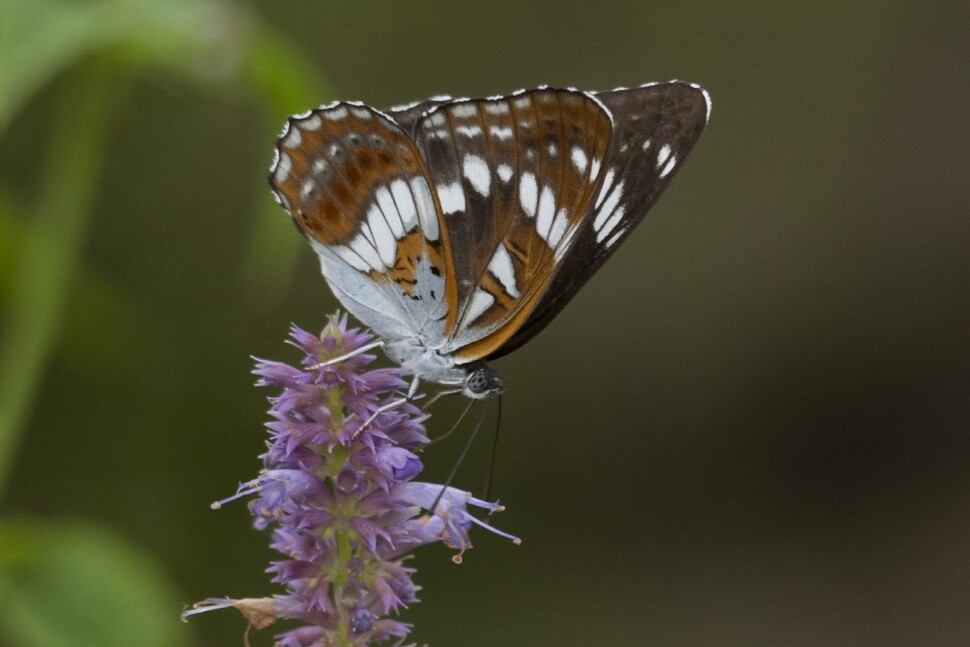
{"x": 476, "y": 379}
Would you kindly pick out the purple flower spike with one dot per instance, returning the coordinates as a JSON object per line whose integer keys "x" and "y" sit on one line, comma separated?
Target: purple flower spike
{"x": 340, "y": 501}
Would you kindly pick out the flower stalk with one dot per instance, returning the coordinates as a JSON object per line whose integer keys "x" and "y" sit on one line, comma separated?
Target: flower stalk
{"x": 340, "y": 497}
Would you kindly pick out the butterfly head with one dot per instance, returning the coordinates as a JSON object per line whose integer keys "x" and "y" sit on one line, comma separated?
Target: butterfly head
{"x": 482, "y": 382}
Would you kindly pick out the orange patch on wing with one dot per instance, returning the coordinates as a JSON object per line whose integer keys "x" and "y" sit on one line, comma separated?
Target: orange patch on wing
{"x": 410, "y": 250}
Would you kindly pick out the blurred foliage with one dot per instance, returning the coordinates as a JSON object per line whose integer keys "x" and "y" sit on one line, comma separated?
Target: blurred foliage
{"x": 751, "y": 427}
{"x": 77, "y": 583}
{"x": 74, "y": 584}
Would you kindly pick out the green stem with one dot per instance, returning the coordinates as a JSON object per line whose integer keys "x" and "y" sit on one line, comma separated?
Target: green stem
{"x": 51, "y": 254}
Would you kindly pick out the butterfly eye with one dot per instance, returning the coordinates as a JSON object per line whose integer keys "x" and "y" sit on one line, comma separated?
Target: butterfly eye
{"x": 483, "y": 382}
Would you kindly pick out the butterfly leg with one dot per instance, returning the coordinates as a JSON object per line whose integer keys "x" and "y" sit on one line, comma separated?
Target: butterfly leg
{"x": 354, "y": 353}
{"x": 412, "y": 394}
{"x": 437, "y": 396}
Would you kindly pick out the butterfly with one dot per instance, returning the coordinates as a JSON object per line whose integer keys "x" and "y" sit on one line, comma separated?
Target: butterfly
{"x": 457, "y": 229}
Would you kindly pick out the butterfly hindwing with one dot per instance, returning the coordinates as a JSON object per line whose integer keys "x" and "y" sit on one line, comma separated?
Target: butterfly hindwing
{"x": 357, "y": 187}
{"x": 654, "y": 128}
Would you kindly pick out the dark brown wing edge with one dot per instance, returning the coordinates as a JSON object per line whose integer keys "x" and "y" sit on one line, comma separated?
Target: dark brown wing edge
{"x": 672, "y": 114}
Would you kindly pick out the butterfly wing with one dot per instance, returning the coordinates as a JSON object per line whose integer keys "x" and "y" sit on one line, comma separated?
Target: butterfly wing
{"x": 654, "y": 127}
{"x": 469, "y": 224}
{"x": 407, "y": 115}
{"x": 515, "y": 177}
{"x": 358, "y": 189}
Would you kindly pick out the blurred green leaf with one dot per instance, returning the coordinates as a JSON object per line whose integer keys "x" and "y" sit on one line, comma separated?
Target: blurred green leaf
{"x": 75, "y": 584}
{"x": 42, "y": 38}
{"x": 11, "y": 237}
{"x": 97, "y": 310}
{"x": 50, "y": 253}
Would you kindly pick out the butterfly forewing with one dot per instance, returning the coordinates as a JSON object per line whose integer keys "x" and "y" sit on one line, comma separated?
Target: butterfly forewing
{"x": 514, "y": 176}
{"x": 654, "y": 128}
{"x": 357, "y": 187}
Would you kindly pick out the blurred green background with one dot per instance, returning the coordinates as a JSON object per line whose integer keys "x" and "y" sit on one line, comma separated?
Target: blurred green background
{"x": 751, "y": 428}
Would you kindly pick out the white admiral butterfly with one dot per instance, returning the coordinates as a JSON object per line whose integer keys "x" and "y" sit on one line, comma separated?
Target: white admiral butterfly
{"x": 458, "y": 228}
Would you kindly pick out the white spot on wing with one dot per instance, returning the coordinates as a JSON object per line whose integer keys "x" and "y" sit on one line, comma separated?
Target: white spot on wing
{"x": 311, "y": 123}
{"x": 560, "y": 253}
{"x": 366, "y": 251}
{"x": 528, "y": 194}
{"x": 283, "y": 168}
{"x": 605, "y": 188}
{"x": 386, "y": 203}
{"x": 293, "y": 137}
{"x": 610, "y": 224}
{"x": 558, "y": 229}
{"x": 522, "y": 103}
{"x": 481, "y": 301}
{"x": 608, "y": 207}
{"x": 616, "y": 237}
{"x": 545, "y": 212}
{"x": 464, "y": 110}
{"x": 498, "y": 108}
{"x": 501, "y": 267}
{"x": 383, "y": 236}
{"x": 452, "y": 197}
{"x": 469, "y": 131}
{"x": 668, "y": 167}
{"x": 338, "y": 113}
{"x": 426, "y": 209}
{"x": 579, "y": 159}
{"x": 347, "y": 255}
{"x": 663, "y": 154}
{"x": 476, "y": 170}
{"x": 500, "y": 132}
{"x": 307, "y": 187}
{"x": 405, "y": 204}
{"x": 361, "y": 113}
{"x": 504, "y": 172}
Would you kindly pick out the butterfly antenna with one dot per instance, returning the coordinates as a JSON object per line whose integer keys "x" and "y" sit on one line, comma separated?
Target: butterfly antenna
{"x": 461, "y": 457}
{"x": 491, "y": 459}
